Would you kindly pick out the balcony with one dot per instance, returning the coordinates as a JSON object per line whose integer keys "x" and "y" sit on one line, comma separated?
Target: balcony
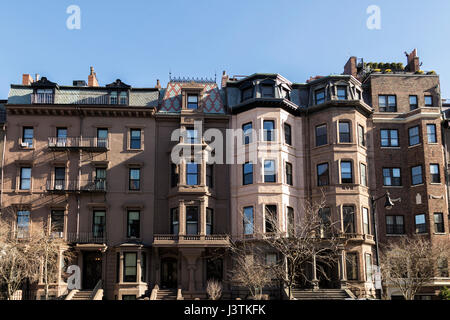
{"x": 190, "y": 240}
{"x": 358, "y": 237}
{"x": 86, "y": 238}
{"x": 74, "y": 143}
{"x": 67, "y": 186}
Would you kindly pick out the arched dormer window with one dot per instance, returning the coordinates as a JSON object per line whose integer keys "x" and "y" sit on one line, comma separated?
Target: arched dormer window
{"x": 267, "y": 89}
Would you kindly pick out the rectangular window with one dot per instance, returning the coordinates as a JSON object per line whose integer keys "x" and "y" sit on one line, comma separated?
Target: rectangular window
{"x": 269, "y": 171}
{"x": 25, "y": 178}
{"x": 392, "y": 177}
{"x": 349, "y": 219}
{"x": 361, "y": 136}
{"x": 428, "y": 101}
{"x": 439, "y": 222}
{"x": 248, "y": 220}
{"x": 369, "y": 272}
{"x": 267, "y": 91}
{"x": 135, "y": 179}
{"x": 342, "y": 93}
{"x": 344, "y": 131}
{"x": 352, "y": 265}
{"x": 270, "y": 218}
{"x": 61, "y": 137}
{"x": 414, "y": 137}
{"x": 290, "y": 221}
{"x": 133, "y": 223}
{"x": 442, "y": 265}
{"x": 123, "y": 98}
{"x": 192, "y": 173}
{"x": 174, "y": 221}
{"x": 269, "y": 127}
{"x": 247, "y": 173}
{"x": 113, "y": 97}
{"x": 57, "y": 222}
{"x": 323, "y": 175}
{"x": 130, "y": 267}
{"x": 363, "y": 175}
{"x": 100, "y": 179}
{"x": 366, "y": 221}
{"x": 192, "y": 101}
{"x": 99, "y": 224}
{"x": 320, "y": 96}
{"x": 210, "y": 175}
{"x": 420, "y": 223}
{"x": 389, "y": 137}
{"x": 387, "y": 103}
{"x": 346, "y": 172}
{"x": 434, "y": 172}
{"x": 416, "y": 174}
{"x": 102, "y": 138}
{"x": 135, "y": 139}
{"x": 395, "y": 225}
{"x": 27, "y": 137}
{"x": 287, "y": 134}
{"x": 174, "y": 176}
{"x": 209, "y": 221}
{"x": 413, "y": 102}
{"x": 325, "y": 223}
{"x": 271, "y": 259}
{"x": 192, "y": 220}
{"x": 431, "y": 133}
{"x": 289, "y": 173}
{"x": 321, "y": 135}
{"x": 192, "y": 136}
{"x": 60, "y": 178}
{"x": 23, "y": 224}
{"x": 247, "y": 131}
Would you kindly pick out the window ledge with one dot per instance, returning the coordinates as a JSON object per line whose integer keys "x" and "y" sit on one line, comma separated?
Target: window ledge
{"x": 134, "y": 191}
{"x": 395, "y": 235}
{"x": 392, "y": 148}
{"x": 417, "y": 185}
{"x": 414, "y": 146}
{"x": 134, "y": 150}
{"x": 395, "y": 187}
{"x": 439, "y": 233}
{"x": 436, "y": 183}
{"x": 321, "y": 146}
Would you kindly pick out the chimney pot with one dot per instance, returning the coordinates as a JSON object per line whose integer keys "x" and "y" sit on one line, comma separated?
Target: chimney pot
{"x": 27, "y": 79}
{"x": 158, "y": 84}
{"x": 37, "y": 77}
{"x": 92, "y": 78}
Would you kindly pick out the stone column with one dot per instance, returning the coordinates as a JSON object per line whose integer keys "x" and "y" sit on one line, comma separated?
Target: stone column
{"x": 315, "y": 281}
{"x": 182, "y": 218}
{"x": 202, "y": 218}
{"x": 138, "y": 266}
{"x": 182, "y": 172}
{"x": 342, "y": 269}
{"x": 121, "y": 267}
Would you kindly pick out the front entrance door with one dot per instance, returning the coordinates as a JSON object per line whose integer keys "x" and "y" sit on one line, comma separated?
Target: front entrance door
{"x": 169, "y": 273}
{"x": 328, "y": 275}
{"x": 92, "y": 269}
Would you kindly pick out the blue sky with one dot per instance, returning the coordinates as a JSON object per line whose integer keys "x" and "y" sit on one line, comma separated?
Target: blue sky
{"x": 140, "y": 41}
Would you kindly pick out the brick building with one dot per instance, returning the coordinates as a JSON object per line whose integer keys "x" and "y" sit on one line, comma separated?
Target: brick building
{"x": 95, "y": 161}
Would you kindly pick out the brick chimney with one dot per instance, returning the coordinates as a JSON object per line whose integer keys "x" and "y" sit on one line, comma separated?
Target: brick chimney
{"x": 413, "y": 61}
{"x": 27, "y": 79}
{"x": 92, "y": 79}
{"x": 158, "y": 84}
{"x": 350, "y": 67}
{"x": 225, "y": 78}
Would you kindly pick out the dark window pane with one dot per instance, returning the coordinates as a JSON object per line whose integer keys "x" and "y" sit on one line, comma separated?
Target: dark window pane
{"x": 416, "y": 173}
{"x": 135, "y": 139}
{"x": 269, "y": 171}
{"x": 349, "y": 219}
{"x": 320, "y": 96}
{"x": 414, "y": 137}
{"x": 191, "y": 220}
{"x": 247, "y": 132}
{"x": 346, "y": 172}
{"x": 135, "y": 179}
{"x": 269, "y": 126}
{"x": 322, "y": 175}
{"x": 287, "y": 134}
{"x": 434, "y": 172}
{"x": 439, "y": 223}
{"x": 133, "y": 224}
{"x": 192, "y": 102}
{"x": 431, "y": 133}
{"x": 344, "y": 132}
{"x": 267, "y": 91}
{"x": 270, "y": 218}
{"x": 27, "y": 137}
{"x": 321, "y": 135}
{"x": 428, "y": 101}
{"x": 289, "y": 173}
{"x": 421, "y": 225}
{"x": 192, "y": 172}
{"x": 248, "y": 173}
{"x": 248, "y": 220}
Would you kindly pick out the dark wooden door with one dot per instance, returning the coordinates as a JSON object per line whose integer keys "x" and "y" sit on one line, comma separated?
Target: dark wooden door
{"x": 169, "y": 273}
{"x": 92, "y": 269}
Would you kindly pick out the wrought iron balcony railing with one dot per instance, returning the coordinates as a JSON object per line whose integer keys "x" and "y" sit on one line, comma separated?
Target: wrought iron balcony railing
{"x": 78, "y": 143}
{"x": 58, "y": 185}
{"x": 87, "y": 237}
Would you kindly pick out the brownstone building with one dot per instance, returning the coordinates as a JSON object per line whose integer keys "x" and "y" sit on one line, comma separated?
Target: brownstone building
{"x": 96, "y": 164}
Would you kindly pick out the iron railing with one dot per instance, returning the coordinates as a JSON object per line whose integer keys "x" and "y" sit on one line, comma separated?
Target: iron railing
{"x": 87, "y": 237}
{"x": 78, "y": 142}
{"x": 44, "y": 98}
{"x": 190, "y": 237}
{"x": 96, "y": 185}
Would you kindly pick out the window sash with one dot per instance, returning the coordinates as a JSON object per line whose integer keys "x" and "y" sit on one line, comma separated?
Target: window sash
{"x": 320, "y": 96}
{"x": 247, "y": 173}
{"x": 192, "y": 220}
{"x": 323, "y": 174}
{"x": 28, "y": 136}
{"x": 428, "y": 101}
{"x": 349, "y": 219}
{"x": 248, "y": 220}
{"x": 270, "y": 210}
{"x": 269, "y": 171}
{"x": 321, "y": 135}
{"x": 269, "y": 127}
{"x": 344, "y": 132}
{"x": 346, "y": 172}
{"x": 361, "y": 136}
{"x": 192, "y": 173}
{"x": 135, "y": 179}
{"x": 133, "y": 224}
{"x": 287, "y": 134}
{"x": 57, "y": 221}
{"x": 352, "y": 266}
{"x": 395, "y": 225}
{"x": 366, "y": 221}
{"x": 392, "y": 177}
{"x": 130, "y": 267}
{"x": 289, "y": 173}
{"x": 247, "y": 133}
{"x": 342, "y": 93}
{"x": 413, "y": 102}
{"x": 420, "y": 223}
{"x": 99, "y": 223}
{"x": 25, "y": 178}
{"x": 23, "y": 224}
{"x": 416, "y": 173}
{"x": 174, "y": 221}
{"x": 414, "y": 137}
{"x": 431, "y": 133}
{"x": 439, "y": 223}
{"x": 435, "y": 174}
{"x": 267, "y": 91}
{"x": 389, "y": 137}
{"x": 135, "y": 139}
{"x": 363, "y": 175}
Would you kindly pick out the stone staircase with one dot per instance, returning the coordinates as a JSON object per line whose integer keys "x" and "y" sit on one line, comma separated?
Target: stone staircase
{"x": 321, "y": 294}
{"x": 82, "y": 295}
{"x": 166, "y": 294}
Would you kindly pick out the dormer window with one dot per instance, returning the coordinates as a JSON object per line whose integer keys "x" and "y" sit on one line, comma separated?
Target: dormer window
{"x": 43, "y": 96}
{"x": 320, "y": 96}
{"x": 267, "y": 91}
{"x": 113, "y": 97}
{"x": 192, "y": 102}
{"x": 286, "y": 94}
{"x": 342, "y": 93}
{"x": 123, "y": 98}
{"x": 247, "y": 93}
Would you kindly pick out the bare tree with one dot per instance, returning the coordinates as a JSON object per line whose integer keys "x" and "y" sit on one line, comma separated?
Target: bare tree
{"x": 17, "y": 259}
{"x": 214, "y": 289}
{"x": 411, "y": 262}
{"x": 249, "y": 269}
{"x": 313, "y": 237}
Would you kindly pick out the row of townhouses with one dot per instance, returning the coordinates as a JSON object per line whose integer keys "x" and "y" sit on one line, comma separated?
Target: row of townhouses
{"x": 95, "y": 163}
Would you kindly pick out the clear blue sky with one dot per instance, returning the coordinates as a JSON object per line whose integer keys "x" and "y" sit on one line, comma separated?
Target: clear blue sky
{"x": 140, "y": 41}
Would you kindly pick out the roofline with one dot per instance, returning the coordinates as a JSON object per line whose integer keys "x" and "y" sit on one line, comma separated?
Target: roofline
{"x": 257, "y": 75}
{"x": 19, "y": 86}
